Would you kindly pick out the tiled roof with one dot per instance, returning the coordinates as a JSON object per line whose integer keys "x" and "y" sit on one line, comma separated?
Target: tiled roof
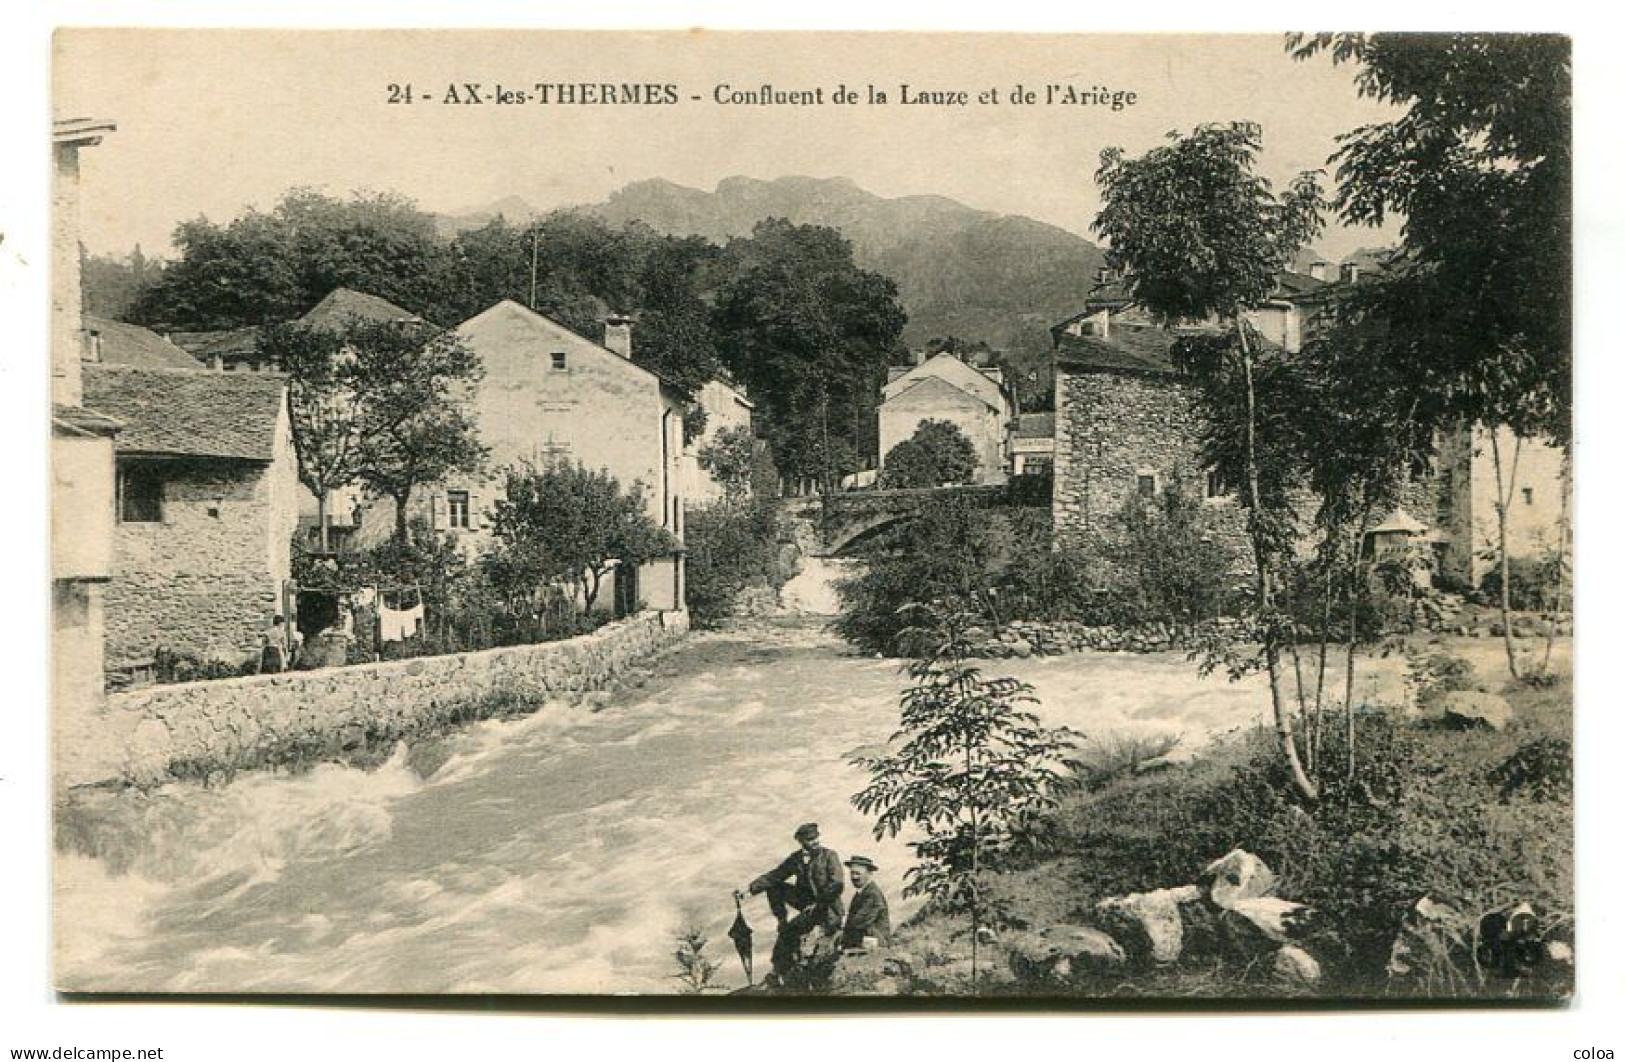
{"x": 1124, "y": 349}
{"x": 121, "y": 343}
{"x": 192, "y": 413}
{"x": 1035, "y": 426}
{"x": 233, "y": 342}
{"x": 343, "y": 305}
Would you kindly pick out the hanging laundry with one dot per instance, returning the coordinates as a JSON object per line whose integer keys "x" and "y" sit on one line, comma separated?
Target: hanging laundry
{"x": 397, "y": 625}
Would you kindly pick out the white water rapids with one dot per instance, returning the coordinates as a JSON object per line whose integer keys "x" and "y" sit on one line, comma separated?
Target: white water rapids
{"x": 555, "y": 853}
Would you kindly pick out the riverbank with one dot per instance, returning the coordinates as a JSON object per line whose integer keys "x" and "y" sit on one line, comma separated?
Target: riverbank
{"x": 1443, "y": 869}
{"x": 355, "y": 714}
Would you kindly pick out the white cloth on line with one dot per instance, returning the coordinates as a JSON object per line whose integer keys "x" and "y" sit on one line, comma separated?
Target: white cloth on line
{"x": 397, "y": 625}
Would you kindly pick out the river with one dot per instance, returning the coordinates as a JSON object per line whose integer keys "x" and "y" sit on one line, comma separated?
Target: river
{"x": 558, "y": 852}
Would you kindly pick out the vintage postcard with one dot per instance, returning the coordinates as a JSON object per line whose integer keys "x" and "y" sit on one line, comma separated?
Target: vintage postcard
{"x": 1075, "y": 518}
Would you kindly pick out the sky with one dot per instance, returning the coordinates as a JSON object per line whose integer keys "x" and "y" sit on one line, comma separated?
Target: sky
{"x": 211, "y": 122}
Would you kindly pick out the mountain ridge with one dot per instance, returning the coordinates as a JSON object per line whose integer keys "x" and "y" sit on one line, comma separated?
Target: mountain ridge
{"x": 961, "y": 271}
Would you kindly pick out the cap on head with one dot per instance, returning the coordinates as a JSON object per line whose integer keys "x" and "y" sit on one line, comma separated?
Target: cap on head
{"x": 807, "y": 831}
{"x": 862, "y": 861}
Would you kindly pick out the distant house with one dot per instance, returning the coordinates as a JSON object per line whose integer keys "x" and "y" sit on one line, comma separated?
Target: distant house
{"x": 549, "y": 394}
{"x": 1032, "y": 445}
{"x": 118, "y": 343}
{"x": 206, "y": 501}
{"x": 945, "y": 387}
{"x": 726, "y": 408}
{"x": 237, "y": 349}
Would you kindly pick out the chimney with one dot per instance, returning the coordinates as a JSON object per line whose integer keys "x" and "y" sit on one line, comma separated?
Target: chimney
{"x": 1350, "y": 273}
{"x": 917, "y": 357}
{"x": 95, "y": 350}
{"x": 618, "y": 335}
{"x": 1318, "y": 270}
{"x": 1101, "y": 324}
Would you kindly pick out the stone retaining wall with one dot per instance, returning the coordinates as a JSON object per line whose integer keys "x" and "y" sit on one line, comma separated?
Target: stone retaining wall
{"x": 1032, "y": 638}
{"x": 198, "y": 728}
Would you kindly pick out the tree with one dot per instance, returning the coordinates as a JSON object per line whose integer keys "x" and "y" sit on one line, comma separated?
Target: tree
{"x": 324, "y": 409}
{"x": 1202, "y": 236}
{"x": 263, "y": 268}
{"x": 112, "y": 286}
{"x": 731, "y": 457}
{"x": 1473, "y": 315}
{"x": 973, "y": 769}
{"x": 570, "y": 525}
{"x": 413, "y": 425}
{"x": 809, "y": 333}
{"x": 936, "y": 455}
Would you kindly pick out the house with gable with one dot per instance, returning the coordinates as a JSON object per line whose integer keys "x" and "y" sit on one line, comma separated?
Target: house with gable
{"x": 727, "y": 408}
{"x": 206, "y": 499}
{"x": 237, "y": 349}
{"x": 549, "y": 394}
{"x": 975, "y": 398}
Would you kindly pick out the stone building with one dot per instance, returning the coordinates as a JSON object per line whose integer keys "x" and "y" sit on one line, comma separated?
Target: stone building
{"x": 548, "y": 395}
{"x": 1125, "y": 425}
{"x": 945, "y": 387}
{"x": 206, "y": 504}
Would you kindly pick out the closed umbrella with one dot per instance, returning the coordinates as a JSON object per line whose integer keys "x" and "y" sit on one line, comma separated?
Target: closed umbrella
{"x": 740, "y": 934}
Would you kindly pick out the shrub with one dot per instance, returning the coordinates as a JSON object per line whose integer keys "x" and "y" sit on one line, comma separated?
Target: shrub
{"x": 730, "y": 547}
{"x": 937, "y": 454}
{"x": 1542, "y": 770}
{"x": 1170, "y": 565}
{"x": 1107, "y": 758}
{"x": 1533, "y": 584}
{"x": 952, "y": 551}
{"x": 1420, "y": 817}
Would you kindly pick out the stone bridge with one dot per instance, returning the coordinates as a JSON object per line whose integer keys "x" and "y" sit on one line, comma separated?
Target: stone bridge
{"x": 840, "y": 527}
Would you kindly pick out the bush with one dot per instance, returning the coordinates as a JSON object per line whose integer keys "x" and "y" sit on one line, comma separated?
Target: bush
{"x": 1421, "y": 817}
{"x": 730, "y": 547}
{"x": 937, "y": 454}
{"x": 1533, "y": 583}
{"x": 952, "y": 551}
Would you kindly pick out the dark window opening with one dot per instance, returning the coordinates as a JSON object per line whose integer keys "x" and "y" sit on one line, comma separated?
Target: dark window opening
{"x": 558, "y": 361}
{"x": 1215, "y": 484}
{"x": 1145, "y": 485}
{"x": 140, "y": 496}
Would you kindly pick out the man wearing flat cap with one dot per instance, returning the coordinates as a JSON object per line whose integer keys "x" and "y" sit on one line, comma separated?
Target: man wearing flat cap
{"x": 809, "y": 880}
{"x": 868, "y": 920}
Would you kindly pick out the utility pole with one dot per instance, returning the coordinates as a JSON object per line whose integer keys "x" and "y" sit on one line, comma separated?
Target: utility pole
{"x": 532, "y": 302}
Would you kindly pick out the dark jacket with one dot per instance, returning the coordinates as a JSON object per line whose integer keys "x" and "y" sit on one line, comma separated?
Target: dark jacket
{"x": 817, "y": 880}
{"x": 869, "y": 916}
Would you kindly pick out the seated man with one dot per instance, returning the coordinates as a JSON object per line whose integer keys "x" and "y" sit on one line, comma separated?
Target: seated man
{"x": 815, "y": 894}
{"x": 868, "y": 920}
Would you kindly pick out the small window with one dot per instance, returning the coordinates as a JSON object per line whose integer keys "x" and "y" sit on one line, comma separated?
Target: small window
{"x": 1215, "y": 484}
{"x": 457, "y": 509}
{"x": 559, "y": 364}
{"x": 1529, "y": 495}
{"x": 140, "y": 496}
{"x": 1145, "y": 485}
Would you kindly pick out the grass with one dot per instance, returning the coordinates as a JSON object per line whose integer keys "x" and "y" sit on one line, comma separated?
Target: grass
{"x": 1478, "y": 819}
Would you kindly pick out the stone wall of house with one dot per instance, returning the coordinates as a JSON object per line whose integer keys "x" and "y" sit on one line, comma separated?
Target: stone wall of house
{"x": 199, "y": 728}
{"x": 1110, "y": 429}
{"x": 199, "y": 581}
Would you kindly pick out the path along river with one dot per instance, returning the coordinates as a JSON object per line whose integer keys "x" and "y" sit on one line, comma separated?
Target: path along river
{"x": 558, "y": 852}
